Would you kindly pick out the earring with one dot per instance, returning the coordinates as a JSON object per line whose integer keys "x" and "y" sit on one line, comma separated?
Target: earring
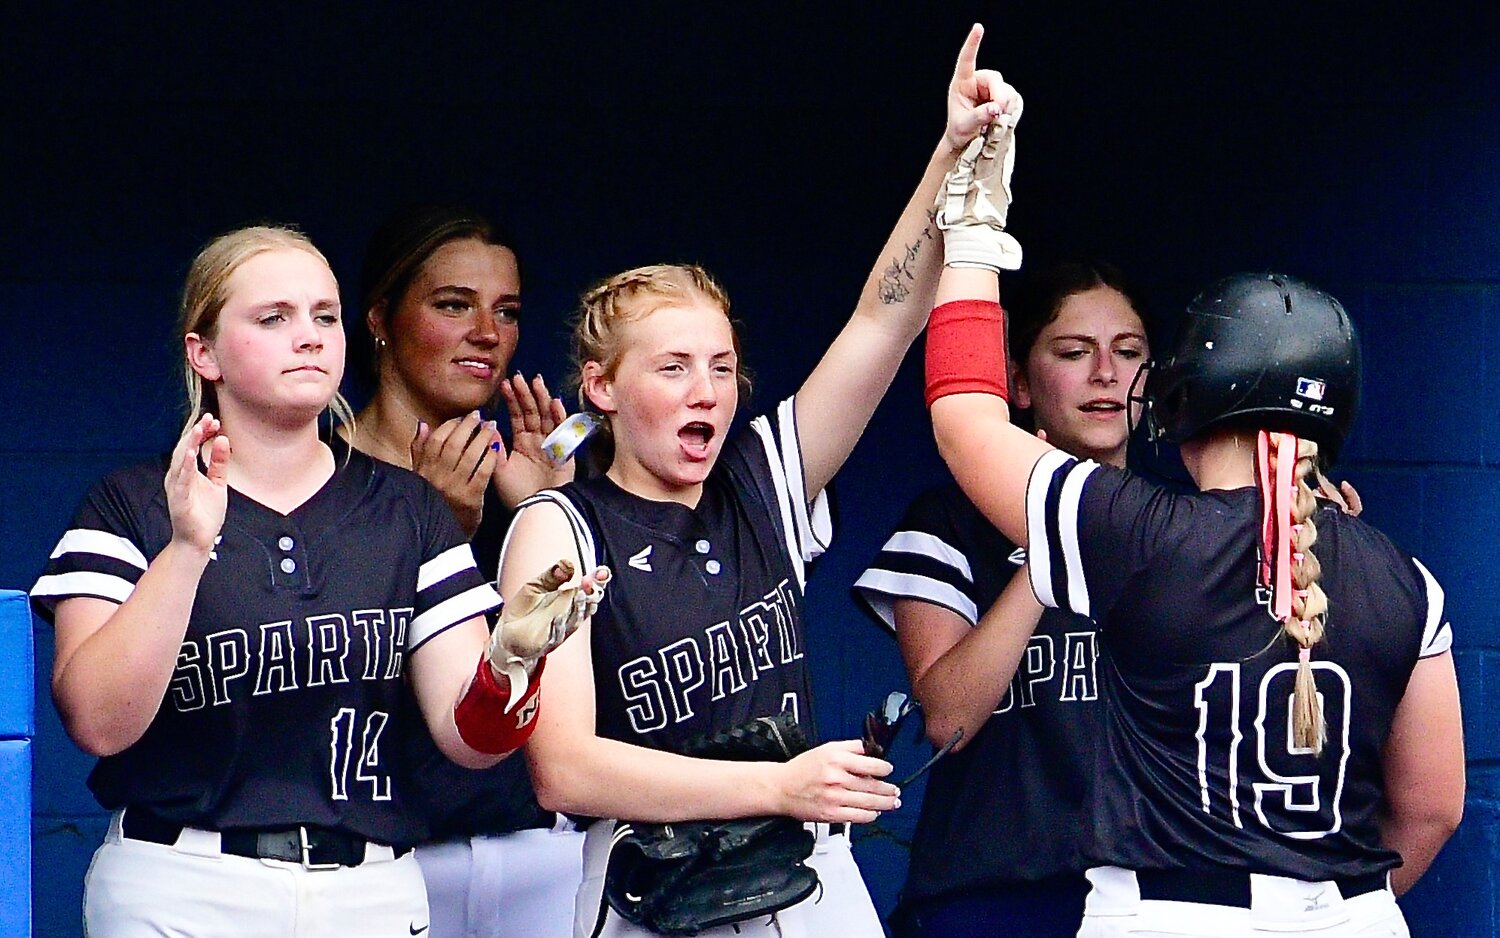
{"x": 379, "y": 342}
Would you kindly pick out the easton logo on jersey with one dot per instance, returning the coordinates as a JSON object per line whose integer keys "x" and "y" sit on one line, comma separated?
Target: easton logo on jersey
{"x": 641, "y": 559}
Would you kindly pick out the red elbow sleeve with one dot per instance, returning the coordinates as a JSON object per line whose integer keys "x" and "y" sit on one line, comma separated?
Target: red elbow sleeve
{"x": 481, "y": 718}
{"x": 966, "y": 350}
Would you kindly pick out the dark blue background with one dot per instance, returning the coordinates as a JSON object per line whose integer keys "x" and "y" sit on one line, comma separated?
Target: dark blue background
{"x": 1356, "y": 147}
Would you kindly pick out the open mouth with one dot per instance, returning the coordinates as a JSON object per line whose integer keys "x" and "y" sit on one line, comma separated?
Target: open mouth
{"x": 1102, "y": 407}
{"x": 479, "y": 367}
{"x": 695, "y": 438}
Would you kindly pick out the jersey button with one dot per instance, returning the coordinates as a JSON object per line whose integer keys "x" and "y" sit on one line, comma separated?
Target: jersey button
{"x": 286, "y": 543}
{"x": 701, "y": 547}
{"x": 288, "y": 565}
{"x": 713, "y": 567}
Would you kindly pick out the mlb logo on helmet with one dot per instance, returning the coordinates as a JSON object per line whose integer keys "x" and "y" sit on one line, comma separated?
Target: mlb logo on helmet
{"x": 1311, "y": 388}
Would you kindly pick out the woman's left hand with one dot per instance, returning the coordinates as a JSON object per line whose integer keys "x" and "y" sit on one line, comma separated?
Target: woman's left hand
{"x": 976, "y": 97}
{"x": 534, "y": 413}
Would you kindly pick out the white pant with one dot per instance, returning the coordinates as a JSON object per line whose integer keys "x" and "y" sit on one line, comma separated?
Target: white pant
{"x": 519, "y": 885}
{"x": 1279, "y": 906}
{"x": 840, "y": 907}
{"x": 136, "y": 889}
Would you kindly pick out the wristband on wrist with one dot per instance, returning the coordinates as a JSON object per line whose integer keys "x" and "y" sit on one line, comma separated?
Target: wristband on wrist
{"x": 485, "y": 723}
{"x": 966, "y": 350}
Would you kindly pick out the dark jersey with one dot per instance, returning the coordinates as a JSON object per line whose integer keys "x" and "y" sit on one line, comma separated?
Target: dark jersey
{"x": 1198, "y": 767}
{"x": 1008, "y": 807}
{"x": 701, "y": 627}
{"x": 460, "y": 802}
{"x": 288, "y": 693}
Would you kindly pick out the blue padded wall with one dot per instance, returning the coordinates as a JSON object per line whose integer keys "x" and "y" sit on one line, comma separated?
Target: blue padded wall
{"x": 774, "y": 145}
{"x": 17, "y": 727}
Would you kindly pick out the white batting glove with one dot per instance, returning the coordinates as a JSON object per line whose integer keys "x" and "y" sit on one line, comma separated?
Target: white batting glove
{"x": 975, "y": 198}
{"x": 538, "y": 618}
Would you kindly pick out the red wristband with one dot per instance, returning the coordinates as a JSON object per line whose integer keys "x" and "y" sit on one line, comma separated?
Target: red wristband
{"x": 966, "y": 350}
{"x": 482, "y": 720}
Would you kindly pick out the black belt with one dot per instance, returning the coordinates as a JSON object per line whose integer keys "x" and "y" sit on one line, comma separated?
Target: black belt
{"x": 313, "y": 847}
{"x": 837, "y": 828}
{"x": 1229, "y": 887}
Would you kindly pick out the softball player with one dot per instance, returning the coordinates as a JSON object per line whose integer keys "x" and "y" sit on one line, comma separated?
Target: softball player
{"x": 710, "y": 537}
{"x": 996, "y": 847}
{"x": 1281, "y": 714}
{"x": 441, "y": 290}
{"x": 233, "y": 628}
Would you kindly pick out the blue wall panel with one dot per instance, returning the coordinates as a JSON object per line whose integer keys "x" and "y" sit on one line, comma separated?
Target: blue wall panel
{"x": 15, "y": 837}
{"x": 16, "y": 730}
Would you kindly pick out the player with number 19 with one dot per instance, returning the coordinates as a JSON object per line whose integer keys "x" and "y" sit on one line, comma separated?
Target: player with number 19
{"x": 1282, "y": 746}
{"x": 235, "y": 623}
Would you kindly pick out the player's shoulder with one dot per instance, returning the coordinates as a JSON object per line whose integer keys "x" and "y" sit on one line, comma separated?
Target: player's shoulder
{"x": 1369, "y": 547}
{"x": 362, "y": 477}
{"x": 945, "y": 511}
{"x": 134, "y": 488}
{"x": 765, "y": 445}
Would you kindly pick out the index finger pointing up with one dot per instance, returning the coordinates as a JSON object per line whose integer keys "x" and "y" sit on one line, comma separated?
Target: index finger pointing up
{"x": 969, "y": 54}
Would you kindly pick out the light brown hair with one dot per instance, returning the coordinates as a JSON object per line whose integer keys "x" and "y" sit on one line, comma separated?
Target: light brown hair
{"x": 205, "y": 292}
{"x": 630, "y": 297}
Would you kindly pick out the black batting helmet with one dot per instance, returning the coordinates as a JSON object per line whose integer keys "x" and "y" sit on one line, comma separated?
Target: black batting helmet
{"x": 1262, "y": 350}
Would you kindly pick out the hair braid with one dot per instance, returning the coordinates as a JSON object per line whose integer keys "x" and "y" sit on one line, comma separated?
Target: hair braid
{"x": 1309, "y": 602}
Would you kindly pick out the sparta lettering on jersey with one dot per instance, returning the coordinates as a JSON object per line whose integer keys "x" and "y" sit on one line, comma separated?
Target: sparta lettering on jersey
{"x": 702, "y": 628}
{"x": 288, "y": 690}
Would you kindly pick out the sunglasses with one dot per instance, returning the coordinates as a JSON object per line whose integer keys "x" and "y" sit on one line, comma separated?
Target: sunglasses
{"x": 883, "y": 724}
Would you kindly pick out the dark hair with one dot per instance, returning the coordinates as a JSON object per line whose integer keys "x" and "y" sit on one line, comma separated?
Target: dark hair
{"x": 396, "y": 252}
{"x": 1035, "y": 299}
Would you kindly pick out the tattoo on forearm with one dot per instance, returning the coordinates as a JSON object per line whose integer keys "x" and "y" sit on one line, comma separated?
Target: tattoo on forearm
{"x": 896, "y": 282}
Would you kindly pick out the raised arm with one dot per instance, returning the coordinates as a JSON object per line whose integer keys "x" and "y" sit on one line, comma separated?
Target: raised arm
{"x": 113, "y": 662}
{"x": 836, "y": 402}
{"x": 1424, "y": 770}
{"x": 966, "y": 367}
{"x": 579, "y": 772}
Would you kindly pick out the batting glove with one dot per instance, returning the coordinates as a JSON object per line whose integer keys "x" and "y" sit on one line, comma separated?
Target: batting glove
{"x": 975, "y": 198}
{"x": 538, "y": 618}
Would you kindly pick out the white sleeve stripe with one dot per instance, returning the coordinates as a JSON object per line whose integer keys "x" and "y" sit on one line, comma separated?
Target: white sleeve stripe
{"x": 451, "y": 561}
{"x": 762, "y": 428}
{"x": 83, "y": 583}
{"x": 583, "y": 538}
{"x": 1067, "y": 525}
{"x": 103, "y": 543}
{"x": 931, "y": 546}
{"x": 1437, "y": 635}
{"x": 1039, "y": 552}
{"x": 451, "y": 611}
{"x": 814, "y": 522}
{"x": 915, "y": 586}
